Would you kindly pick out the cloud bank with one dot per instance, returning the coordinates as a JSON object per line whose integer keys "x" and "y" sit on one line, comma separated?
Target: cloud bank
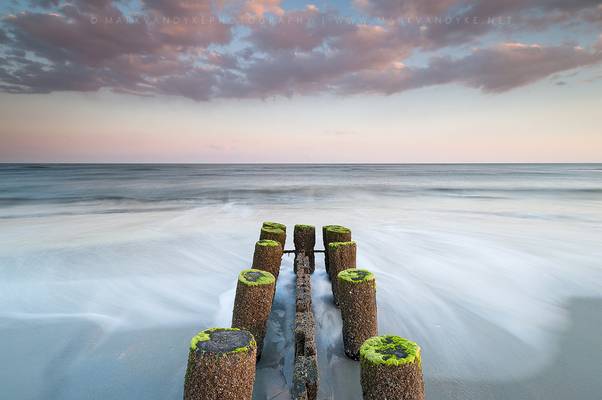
{"x": 204, "y": 50}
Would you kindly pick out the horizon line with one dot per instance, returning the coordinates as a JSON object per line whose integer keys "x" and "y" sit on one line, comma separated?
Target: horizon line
{"x": 298, "y": 163}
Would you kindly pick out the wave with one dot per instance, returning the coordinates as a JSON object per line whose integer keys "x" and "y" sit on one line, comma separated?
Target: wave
{"x": 295, "y": 193}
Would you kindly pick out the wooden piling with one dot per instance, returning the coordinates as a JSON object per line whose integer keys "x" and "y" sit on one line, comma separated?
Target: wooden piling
{"x": 341, "y": 256}
{"x": 273, "y": 231}
{"x": 305, "y": 240}
{"x": 276, "y": 225}
{"x": 253, "y": 303}
{"x": 221, "y": 361}
{"x": 268, "y": 256}
{"x": 305, "y": 373}
{"x": 391, "y": 369}
{"x": 305, "y": 378}
{"x": 357, "y": 299}
{"x": 221, "y": 365}
{"x": 333, "y": 233}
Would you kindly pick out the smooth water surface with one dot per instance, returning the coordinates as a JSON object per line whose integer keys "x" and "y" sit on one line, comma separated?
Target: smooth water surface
{"x": 107, "y": 271}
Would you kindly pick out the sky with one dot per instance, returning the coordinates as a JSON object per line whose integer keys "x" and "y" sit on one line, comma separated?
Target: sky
{"x": 392, "y": 81}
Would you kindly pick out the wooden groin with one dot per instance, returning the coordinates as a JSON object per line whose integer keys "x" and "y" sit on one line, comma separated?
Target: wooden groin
{"x": 305, "y": 372}
{"x": 390, "y": 365}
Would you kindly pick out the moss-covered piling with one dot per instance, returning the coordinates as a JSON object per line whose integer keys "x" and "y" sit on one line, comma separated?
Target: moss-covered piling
{"x": 268, "y": 256}
{"x": 341, "y": 256}
{"x": 356, "y": 293}
{"x": 221, "y": 365}
{"x": 305, "y": 240}
{"x": 253, "y": 303}
{"x": 275, "y": 225}
{"x": 330, "y": 234}
{"x": 391, "y": 369}
{"x": 273, "y": 231}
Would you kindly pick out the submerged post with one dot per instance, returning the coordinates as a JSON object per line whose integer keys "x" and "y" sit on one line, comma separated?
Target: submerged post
{"x": 391, "y": 369}
{"x": 333, "y": 233}
{"x": 253, "y": 303}
{"x": 268, "y": 256}
{"x": 305, "y": 372}
{"x": 273, "y": 231}
{"x": 341, "y": 256}
{"x": 305, "y": 240}
{"x": 221, "y": 365}
{"x": 357, "y": 299}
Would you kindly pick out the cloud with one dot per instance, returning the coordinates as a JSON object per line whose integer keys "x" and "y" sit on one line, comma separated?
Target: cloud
{"x": 34, "y": 77}
{"x": 494, "y": 70}
{"x": 174, "y": 8}
{"x": 297, "y": 30}
{"x": 182, "y": 48}
{"x": 86, "y": 46}
{"x": 261, "y": 7}
{"x": 71, "y": 37}
{"x": 525, "y": 15}
{"x": 478, "y": 8}
{"x": 598, "y": 44}
{"x": 411, "y": 8}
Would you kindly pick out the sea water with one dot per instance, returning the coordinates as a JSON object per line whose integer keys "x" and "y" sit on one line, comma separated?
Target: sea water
{"x": 107, "y": 271}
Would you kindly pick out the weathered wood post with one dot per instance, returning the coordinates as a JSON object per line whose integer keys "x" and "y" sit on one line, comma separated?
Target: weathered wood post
{"x": 357, "y": 299}
{"x": 221, "y": 365}
{"x": 341, "y": 256}
{"x": 333, "y": 233}
{"x": 305, "y": 240}
{"x": 305, "y": 372}
{"x": 391, "y": 369}
{"x": 305, "y": 378}
{"x": 253, "y": 303}
{"x": 273, "y": 231}
{"x": 268, "y": 256}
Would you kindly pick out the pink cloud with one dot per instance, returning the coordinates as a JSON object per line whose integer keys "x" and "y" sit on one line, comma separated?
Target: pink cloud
{"x": 496, "y": 69}
{"x": 89, "y": 45}
{"x": 261, "y": 7}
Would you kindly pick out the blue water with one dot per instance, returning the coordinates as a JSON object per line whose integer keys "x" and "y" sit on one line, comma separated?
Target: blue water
{"x": 106, "y": 271}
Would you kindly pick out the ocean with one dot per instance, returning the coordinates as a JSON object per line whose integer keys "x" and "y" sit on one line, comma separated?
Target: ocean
{"x": 107, "y": 271}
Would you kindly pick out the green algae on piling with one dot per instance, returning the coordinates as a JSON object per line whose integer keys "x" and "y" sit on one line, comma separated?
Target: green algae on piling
{"x": 304, "y": 238}
{"x": 221, "y": 365}
{"x": 389, "y": 350}
{"x": 337, "y": 229}
{"x": 253, "y": 303}
{"x": 356, "y": 295}
{"x": 335, "y": 233}
{"x": 268, "y": 256}
{"x": 269, "y": 229}
{"x": 305, "y": 226}
{"x": 268, "y": 243}
{"x": 355, "y": 275}
{"x": 256, "y": 277}
{"x": 273, "y": 231}
{"x": 330, "y": 234}
{"x": 206, "y": 335}
{"x": 341, "y": 256}
{"x": 274, "y": 225}
{"x": 334, "y": 245}
{"x": 390, "y": 368}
